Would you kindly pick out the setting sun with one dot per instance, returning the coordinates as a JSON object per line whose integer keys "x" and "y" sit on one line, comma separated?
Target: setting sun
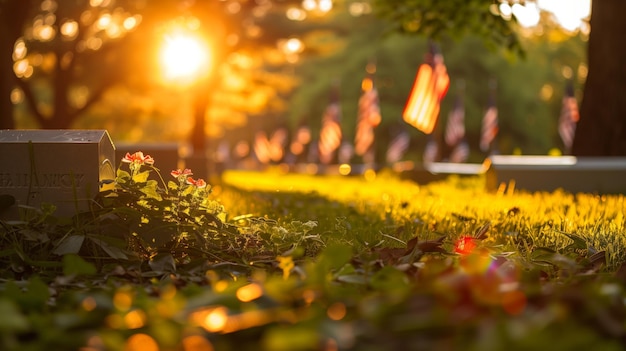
{"x": 184, "y": 56}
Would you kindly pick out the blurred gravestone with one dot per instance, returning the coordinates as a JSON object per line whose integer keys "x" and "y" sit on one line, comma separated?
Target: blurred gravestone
{"x": 602, "y": 175}
{"x": 437, "y": 171}
{"x": 61, "y": 167}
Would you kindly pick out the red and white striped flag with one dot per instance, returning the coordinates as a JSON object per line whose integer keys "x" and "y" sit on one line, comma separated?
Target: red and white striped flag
{"x": 368, "y": 117}
{"x": 262, "y": 147}
{"x": 431, "y": 152}
{"x": 277, "y": 144}
{"x": 430, "y": 86}
{"x": 241, "y": 149}
{"x": 398, "y": 146}
{"x": 489, "y": 129}
{"x": 330, "y": 134}
{"x": 301, "y": 140}
{"x": 569, "y": 118}
{"x": 345, "y": 153}
{"x": 222, "y": 154}
{"x": 460, "y": 153}
{"x": 455, "y": 126}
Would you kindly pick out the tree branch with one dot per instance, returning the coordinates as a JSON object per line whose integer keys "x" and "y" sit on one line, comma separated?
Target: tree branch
{"x": 31, "y": 100}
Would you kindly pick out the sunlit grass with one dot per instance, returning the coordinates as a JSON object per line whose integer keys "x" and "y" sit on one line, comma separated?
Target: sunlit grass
{"x": 360, "y": 210}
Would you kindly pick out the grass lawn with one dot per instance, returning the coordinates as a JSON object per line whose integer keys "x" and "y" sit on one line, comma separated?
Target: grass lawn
{"x": 276, "y": 261}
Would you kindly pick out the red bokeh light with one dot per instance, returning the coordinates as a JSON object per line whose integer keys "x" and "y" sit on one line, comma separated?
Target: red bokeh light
{"x": 465, "y": 245}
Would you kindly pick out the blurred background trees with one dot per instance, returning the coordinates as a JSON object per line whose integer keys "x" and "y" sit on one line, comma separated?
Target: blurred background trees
{"x": 602, "y": 125}
{"x": 95, "y": 64}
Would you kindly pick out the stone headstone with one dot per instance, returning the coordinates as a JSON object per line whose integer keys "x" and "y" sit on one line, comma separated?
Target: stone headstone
{"x": 437, "y": 171}
{"x": 547, "y": 173}
{"x": 61, "y": 167}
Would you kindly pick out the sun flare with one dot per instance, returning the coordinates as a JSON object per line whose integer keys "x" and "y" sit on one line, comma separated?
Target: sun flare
{"x": 184, "y": 56}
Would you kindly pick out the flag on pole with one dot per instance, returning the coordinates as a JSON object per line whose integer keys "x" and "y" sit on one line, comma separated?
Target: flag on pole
{"x": 568, "y": 118}
{"x": 301, "y": 139}
{"x": 455, "y": 126}
{"x": 262, "y": 147}
{"x": 277, "y": 144}
{"x": 345, "y": 153}
{"x": 330, "y": 133}
{"x": 313, "y": 155}
{"x": 241, "y": 150}
{"x": 431, "y": 151}
{"x": 398, "y": 146}
{"x": 489, "y": 129}
{"x": 460, "y": 153}
{"x": 430, "y": 86}
{"x": 222, "y": 154}
{"x": 368, "y": 118}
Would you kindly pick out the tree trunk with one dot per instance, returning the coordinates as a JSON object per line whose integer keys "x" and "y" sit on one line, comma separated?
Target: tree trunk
{"x": 7, "y": 81}
{"x": 13, "y": 15}
{"x": 200, "y": 106}
{"x": 61, "y": 118}
{"x": 601, "y": 130}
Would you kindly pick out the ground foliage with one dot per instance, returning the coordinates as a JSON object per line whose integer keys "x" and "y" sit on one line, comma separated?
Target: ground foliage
{"x": 280, "y": 261}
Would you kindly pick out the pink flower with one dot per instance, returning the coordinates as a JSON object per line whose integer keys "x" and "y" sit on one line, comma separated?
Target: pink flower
{"x": 138, "y": 158}
{"x": 200, "y": 183}
{"x": 177, "y": 173}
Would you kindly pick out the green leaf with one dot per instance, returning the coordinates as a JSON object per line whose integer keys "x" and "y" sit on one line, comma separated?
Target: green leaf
{"x": 352, "y": 279}
{"x": 12, "y": 320}
{"x": 75, "y": 265}
{"x": 290, "y": 338}
{"x": 163, "y": 263}
{"x": 172, "y": 186}
{"x": 150, "y": 190}
{"x": 188, "y": 190}
{"x": 69, "y": 245}
{"x": 141, "y": 177}
{"x": 389, "y": 279}
{"x": 335, "y": 256}
{"x": 578, "y": 242}
{"x": 122, "y": 175}
{"x": 111, "y": 246}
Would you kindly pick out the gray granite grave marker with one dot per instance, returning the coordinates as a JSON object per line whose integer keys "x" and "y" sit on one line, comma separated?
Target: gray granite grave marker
{"x": 548, "y": 173}
{"x": 61, "y": 167}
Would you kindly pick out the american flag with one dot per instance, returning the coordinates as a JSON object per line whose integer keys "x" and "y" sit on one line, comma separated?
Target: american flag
{"x": 330, "y": 134}
{"x": 460, "y": 153}
{"x": 398, "y": 146}
{"x": 300, "y": 140}
{"x": 455, "y": 127}
{"x": 222, "y": 154}
{"x": 569, "y": 117}
{"x": 346, "y": 150}
{"x": 313, "y": 156}
{"x": 277, "y": 144}
{"x": 262, "y": 147}
{"x": 241, "y": 149}
{"x": 489, "y": 129}
{"x": 430, "y": 86}
{"x": 368, "y": 117}
{"x": 431, "y": 151}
